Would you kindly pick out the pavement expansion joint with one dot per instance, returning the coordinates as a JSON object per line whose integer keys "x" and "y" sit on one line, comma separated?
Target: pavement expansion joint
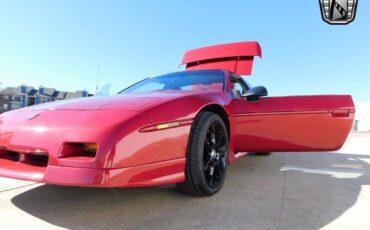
{"x": 11, "y": 189}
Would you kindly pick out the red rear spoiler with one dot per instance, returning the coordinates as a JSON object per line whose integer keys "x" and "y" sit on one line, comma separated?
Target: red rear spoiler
{"x": 235, "y": 57}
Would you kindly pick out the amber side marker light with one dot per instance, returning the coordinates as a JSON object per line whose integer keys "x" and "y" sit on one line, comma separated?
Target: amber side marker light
{"x": 78, "y": 150}
{"x": 166, "y": 125}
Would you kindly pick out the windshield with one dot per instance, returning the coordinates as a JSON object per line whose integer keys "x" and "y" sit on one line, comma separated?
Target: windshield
{"x": 201, "y": 80}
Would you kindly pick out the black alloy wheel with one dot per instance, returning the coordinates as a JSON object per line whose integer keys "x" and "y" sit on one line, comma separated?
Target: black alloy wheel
{"x": 207, "y": 156}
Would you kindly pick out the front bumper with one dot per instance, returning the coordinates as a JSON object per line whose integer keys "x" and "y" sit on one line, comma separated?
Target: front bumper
{"x": 167, "y": 172}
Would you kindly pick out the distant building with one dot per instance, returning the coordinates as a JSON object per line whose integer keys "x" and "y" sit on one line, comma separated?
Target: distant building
{"x": 22, "y": 96}
{"x": 4, "y": 103}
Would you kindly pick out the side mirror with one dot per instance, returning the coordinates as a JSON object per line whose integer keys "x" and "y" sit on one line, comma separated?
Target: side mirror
{"x": 255, "y": 93}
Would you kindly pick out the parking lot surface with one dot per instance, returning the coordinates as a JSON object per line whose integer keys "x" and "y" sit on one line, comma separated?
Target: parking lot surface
{"x": 281, "y": 191}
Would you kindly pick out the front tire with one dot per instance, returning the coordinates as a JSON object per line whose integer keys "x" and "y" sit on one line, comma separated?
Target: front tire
{"x": 206, "y": 157}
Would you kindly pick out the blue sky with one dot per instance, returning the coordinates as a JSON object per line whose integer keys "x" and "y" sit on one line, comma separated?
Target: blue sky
{"x": 61, "y": 43}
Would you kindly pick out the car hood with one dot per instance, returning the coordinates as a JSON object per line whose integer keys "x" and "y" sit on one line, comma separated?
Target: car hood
{"x": 123, "y": 102}
{"x": 134, "y": 101}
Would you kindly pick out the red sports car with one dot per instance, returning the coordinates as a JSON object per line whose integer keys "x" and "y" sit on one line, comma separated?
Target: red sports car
{"x": 181, "y": 128}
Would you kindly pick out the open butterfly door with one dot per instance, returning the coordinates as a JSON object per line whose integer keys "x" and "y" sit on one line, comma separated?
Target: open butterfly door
{"x": 234, "y": 57}
{"x": 293, "y": 123}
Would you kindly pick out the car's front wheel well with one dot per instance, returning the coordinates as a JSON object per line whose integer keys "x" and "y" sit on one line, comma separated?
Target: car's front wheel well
{"x": 217, "y": 109}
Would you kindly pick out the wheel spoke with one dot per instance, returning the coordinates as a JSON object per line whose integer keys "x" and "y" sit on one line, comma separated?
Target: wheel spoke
{"x": 213, "y": 134}
{"x": 215, "y": 154}
{"x": 221, "y": 140}
{"x": 208, "y": 139}
{"x": 211, "y": 170}
{"x": 221, "y": 165}
{"x": 211, "y": 175}
{"x": 206, "y": 166}
{"x": 218, "y": 173}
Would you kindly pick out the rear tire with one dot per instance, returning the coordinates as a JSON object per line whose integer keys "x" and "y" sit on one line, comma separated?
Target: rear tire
{"x": 262, "y": 153}
{"x": 206, "y": 157}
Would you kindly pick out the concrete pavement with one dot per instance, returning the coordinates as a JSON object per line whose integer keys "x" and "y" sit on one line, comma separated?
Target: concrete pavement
{"x": 281, "y": 191}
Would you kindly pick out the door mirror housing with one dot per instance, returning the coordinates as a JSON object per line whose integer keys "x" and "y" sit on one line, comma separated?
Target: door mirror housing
{"x": 255, "y": 93}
